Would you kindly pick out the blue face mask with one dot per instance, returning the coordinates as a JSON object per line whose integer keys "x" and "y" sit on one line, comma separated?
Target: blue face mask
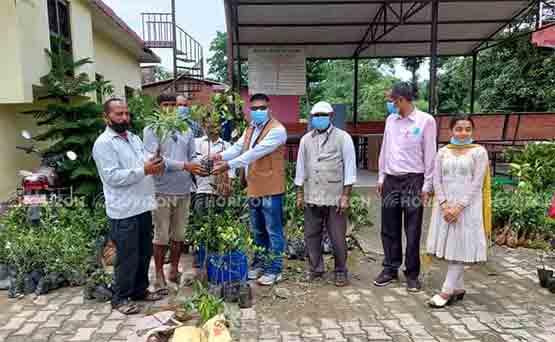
{"x": 456, "y": 141}
{"x": 320, "y": 122}
{"x": 392, "y": 108}
{"x": 183, "y": 111}
{"x": 258, "y": 117}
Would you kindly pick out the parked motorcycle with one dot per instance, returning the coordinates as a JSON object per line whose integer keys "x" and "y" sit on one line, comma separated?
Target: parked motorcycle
{"x": 41, "y": 185}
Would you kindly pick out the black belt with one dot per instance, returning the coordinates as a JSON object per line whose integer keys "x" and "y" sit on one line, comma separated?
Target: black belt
{"x": 407, "y": 175}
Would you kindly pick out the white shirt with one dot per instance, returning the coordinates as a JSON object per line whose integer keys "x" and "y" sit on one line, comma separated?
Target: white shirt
{"x": 203, "y": 146}
{"x": 120, "y": 162}
{"x": 349, "y": 158}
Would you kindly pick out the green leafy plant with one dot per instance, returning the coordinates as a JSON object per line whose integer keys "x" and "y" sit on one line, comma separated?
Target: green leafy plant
{"x": 359, "y": 213}
{"x": 70, "y": 121}
{"x": 226, "y": 106}
{"x": 62, "y": 243}
{"x": 223, "y": 233}
{"x": 206, "y": 304}
{"x": 164, "y": 122}
{"x": 100, "y": 278}
{"x": 534, "y": 164}
{"x": 523, "y": 208}
{"x": 140, "y": 107}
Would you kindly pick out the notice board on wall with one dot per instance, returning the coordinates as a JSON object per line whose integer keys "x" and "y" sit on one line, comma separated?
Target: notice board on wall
{"x": 277, "y": 71}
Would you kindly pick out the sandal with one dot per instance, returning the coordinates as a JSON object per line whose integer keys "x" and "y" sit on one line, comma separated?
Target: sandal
{"x": 127, "y": 308}
{"x": 152, "y": 296}
{"x": 162, "y": 291}
{"x": 161, "y": 288}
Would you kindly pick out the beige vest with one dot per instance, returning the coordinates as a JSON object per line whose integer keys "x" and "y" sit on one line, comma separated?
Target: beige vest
{"x": 323, "y": 166}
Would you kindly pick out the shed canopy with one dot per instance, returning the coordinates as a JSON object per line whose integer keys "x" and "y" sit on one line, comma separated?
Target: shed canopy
{"x": 387, "y": 28}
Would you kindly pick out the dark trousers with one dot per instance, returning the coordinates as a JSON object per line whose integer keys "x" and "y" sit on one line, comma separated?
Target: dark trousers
{"x": 315, "y": 218}
{"x": 133, "y": 239}
{"x": 401, "y": 203}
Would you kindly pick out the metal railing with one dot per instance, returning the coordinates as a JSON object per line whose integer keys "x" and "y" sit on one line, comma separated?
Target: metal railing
{"x": 158, "y": 32}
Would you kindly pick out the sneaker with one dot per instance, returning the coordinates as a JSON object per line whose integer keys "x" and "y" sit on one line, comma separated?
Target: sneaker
{"x": 413, "y": 285}
{"x": 255, "y": 273}
{"x": 385, "y": 279}
{"x": 269, "y": 279}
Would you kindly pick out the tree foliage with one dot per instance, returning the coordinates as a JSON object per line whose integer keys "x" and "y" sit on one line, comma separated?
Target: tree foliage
{"x": 71, "y": 123}
{"x": 517, "y": 76}
{"x": 413, "y": 64}
{"x": 162, "y": 74}
{"x": 218, "y": 61}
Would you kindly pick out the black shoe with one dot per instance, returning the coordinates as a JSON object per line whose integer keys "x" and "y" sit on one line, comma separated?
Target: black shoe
{"x": 315, "y": 276}
{"x": 413, "y": 285}
{"x": 341, "y": 279}
{"x": 385, "y": 279}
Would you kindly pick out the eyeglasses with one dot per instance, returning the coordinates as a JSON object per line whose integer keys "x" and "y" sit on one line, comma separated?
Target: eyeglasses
{"x": 255, "y": 108}
{"x": 320, "y": 114}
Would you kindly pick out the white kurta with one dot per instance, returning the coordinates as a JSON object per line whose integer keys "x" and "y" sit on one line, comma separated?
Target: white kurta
{"x": 458, "y": 179}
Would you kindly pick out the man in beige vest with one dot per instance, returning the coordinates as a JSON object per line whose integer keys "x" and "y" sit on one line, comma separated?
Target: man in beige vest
{"x": 326, "y": 172}
{"x": 260, "y": 151}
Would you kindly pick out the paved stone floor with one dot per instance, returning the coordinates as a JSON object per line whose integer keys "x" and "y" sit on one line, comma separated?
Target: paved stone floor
{"x": 504, "y": 303}
{"x": 508, "y": 306}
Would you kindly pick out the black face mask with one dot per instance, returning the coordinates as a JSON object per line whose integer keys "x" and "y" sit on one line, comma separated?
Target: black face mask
{"x": 119, "y": 127}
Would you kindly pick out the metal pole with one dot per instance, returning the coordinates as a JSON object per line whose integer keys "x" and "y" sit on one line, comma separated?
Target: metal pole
{"x": 229, "y": 12}
{"x": 238, "y": 52}
{"x": 174, "y": 33}
{"x": 539, "y": 15}
{"x": 473, "y": 86}
{"x": 433, "y": 60}
{"x": 355, "y": 94}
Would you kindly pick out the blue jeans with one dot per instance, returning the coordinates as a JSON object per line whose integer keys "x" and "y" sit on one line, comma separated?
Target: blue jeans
{"x": 266, "y": 214}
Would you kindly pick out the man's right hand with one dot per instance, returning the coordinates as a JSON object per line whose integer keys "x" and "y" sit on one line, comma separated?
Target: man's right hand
{"x": 300, "y": 200}
{"x": 154, "y": 166}
{"x": 379, "y": 188}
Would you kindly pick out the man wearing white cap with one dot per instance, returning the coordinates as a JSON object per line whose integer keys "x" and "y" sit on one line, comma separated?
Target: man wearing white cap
{"x": 326, "y": 172}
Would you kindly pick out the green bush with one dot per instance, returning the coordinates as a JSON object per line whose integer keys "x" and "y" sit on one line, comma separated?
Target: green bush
{"x": 524, "y": 208}
{"x": 63, "y": 242}
{"x": 534, "y": 164}
{"x": 206, "y": 304}
{"x": 222, "y": 232}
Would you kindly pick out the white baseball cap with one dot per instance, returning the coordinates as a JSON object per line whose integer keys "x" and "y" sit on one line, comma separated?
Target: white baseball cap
{"x": 322, "y": 107}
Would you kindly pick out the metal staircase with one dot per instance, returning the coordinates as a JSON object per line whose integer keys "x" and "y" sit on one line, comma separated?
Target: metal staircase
{"x": 159, "y": 30}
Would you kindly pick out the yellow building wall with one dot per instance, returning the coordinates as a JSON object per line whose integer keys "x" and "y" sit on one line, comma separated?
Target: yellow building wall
{"x": 34, "y": 38}
{"x": 116, "y": 65}
{"x": 11, "y": 159}
{"x": 24, "y": 37}
{"x": 82, "y": 34}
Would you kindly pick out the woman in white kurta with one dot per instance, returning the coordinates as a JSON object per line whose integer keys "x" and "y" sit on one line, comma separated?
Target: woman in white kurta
{"x": 456, "y": 231}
